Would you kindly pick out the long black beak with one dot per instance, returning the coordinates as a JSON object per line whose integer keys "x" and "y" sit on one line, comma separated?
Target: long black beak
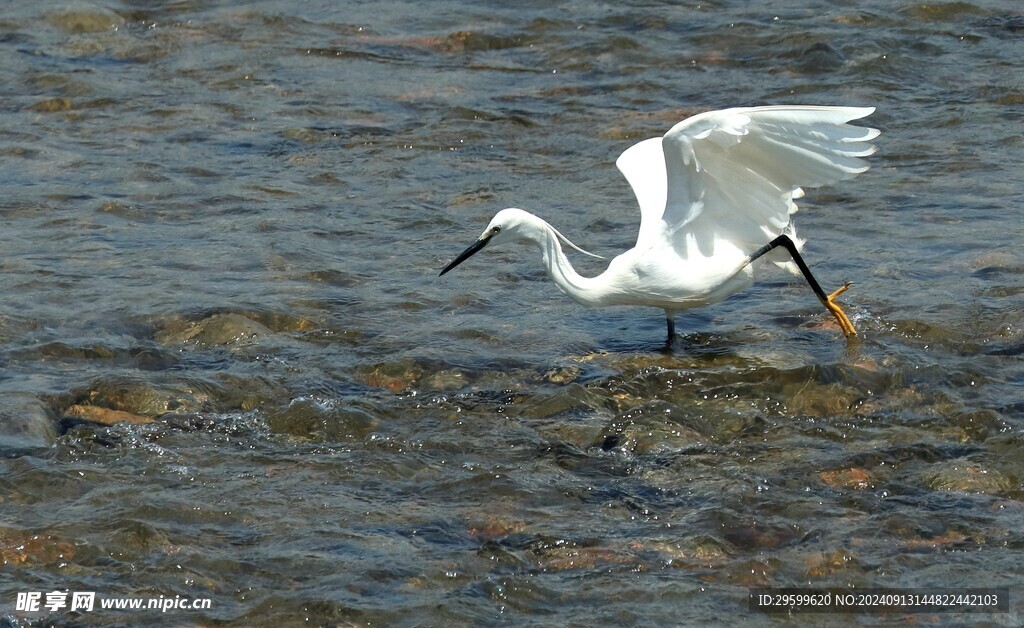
{"x": 468, "y": 253}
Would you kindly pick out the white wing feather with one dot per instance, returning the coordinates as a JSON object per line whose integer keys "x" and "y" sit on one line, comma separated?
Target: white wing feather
{"x": 733, "y": 174}
{"x": 643, "y": 165}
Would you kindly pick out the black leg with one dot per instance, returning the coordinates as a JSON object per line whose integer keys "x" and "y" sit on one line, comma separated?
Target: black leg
{"x": 826, "y": 299}
{"x": 671, "y": 328}
{"x": 786, "y": 242}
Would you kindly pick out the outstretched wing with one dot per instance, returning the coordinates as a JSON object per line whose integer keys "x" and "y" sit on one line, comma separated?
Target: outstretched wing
{"x": 733, "y": 174}
{"x": 643, "y": 165}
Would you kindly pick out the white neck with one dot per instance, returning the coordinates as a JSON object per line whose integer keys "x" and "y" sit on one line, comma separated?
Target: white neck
{"x": 584, "y": 290}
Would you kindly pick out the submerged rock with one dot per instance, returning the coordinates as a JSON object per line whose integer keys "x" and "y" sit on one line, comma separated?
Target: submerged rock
{"x": 562, "y": 374}
{"x": 215, "y": 330}
{"x": 569, "y": 556}
{"x": 495, "y": 528}
{"x": 106, "y": 416}
{"x": 449, "y": 379}
{"x": 650, "y": 436}
{"x": 85, "y": 18}
{"x": 324, "y": 420}
{"x": 51, "y": 105}
{"x": 395, "y": 376}
{"x": 823, "y": 564}
{"x": 691, "y": 553}
{"x": 140, "y": 397}
{"x": 25, "y": 422}
{"x": 962, "y": 475}
{"x": 821, "y": 400}
{"x": 754, "y": 572}
{"x": 853, "y": 477}
{"x": 17, "y": 548}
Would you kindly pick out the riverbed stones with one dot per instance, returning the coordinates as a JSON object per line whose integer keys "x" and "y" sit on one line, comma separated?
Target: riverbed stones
{"x": 133, "y": 396}
{"x": 104, "y": 416}
{"x": 82, "y": 18}
{"x": 25, "y": 422}
{"x": 963, "y": 475}
{"x": 223, "y": 329}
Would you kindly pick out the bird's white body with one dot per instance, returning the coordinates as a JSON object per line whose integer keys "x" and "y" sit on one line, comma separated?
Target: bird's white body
{"x": 654, "y": 276}
{"x": 715, "y": 189}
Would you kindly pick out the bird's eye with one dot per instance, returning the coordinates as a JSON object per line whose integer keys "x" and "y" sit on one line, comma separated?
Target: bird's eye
{"x": 495, "y": 230}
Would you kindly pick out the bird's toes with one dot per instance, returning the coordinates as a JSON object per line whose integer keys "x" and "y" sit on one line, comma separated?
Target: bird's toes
{"x": 843, "y": 288}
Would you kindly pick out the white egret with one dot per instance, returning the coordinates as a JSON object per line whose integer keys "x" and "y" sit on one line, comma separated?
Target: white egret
{"x": 715, "y": 194}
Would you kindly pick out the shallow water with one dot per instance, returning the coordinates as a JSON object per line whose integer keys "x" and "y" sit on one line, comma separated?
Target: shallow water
{"x": 226, "y": 223}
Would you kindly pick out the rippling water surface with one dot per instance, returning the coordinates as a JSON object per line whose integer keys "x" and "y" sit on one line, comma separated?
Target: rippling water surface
{"x": 229, "y": 370}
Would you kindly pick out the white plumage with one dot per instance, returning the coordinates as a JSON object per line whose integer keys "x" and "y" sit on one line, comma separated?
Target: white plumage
{"x": 715, "y": 193}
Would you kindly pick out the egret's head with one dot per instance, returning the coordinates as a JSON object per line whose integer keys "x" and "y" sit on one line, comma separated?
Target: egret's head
{"x": 506, "y": 225}
{"x": 515, "y": 224}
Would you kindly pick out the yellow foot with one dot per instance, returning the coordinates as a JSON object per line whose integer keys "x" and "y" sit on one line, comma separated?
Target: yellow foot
{"x": 844, "y": 321}
{"x": 843, "y": 288}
